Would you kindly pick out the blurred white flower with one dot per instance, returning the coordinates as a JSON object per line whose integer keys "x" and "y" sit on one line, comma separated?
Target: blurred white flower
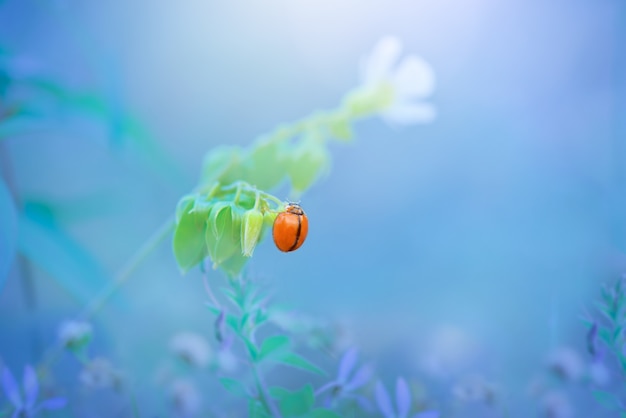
{"x": 450, "y": 350}
{"x": 566, "y": 364}
{"x": 556, "y": 405}
{"x": 475, "y": 389}
{"x": 411, "y": 81}
{"x": 186, "y": 400}
{"x": 192, "y": 348}
{"x": 75, "y": 334}
{"x": 100, "y": 374}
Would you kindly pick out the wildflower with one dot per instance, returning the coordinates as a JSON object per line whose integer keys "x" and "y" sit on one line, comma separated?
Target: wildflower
{"x": 475, "y": 389}
{"x": 403, "y": 402}
{"x": 556, "y": 405}
{"x": 409, "y": 82}
{"x": 566, "y": 364}
{"x": 100, "y": 374}
{"x": 348, "y": 380}
{"x": 192, "y": 348}
{"x": 26, "y": 405}
{"x": 185, "y": 398}
{"x": 75, "y": 335}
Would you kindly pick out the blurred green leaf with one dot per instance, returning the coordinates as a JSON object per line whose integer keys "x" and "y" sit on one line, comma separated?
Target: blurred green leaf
{"x": 189, "y": 237}
{"x": 252, "y": 349}
{"x": 298, "y": 362}
{"x": 66, "y": 261}
{"x": 308, "y": 162}
{"x": 266, "y": 164}
{"x": 222, "y": 164}
{"x": 8, "y": 231}
{"x": 606, "y": 399}
{"x": 294, "y": 404}
{"x": 274, "y": 345}
{"x": 234, "y": 386}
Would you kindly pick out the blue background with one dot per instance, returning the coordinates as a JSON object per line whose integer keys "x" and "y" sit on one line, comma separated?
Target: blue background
{"x": 486, "y": 233}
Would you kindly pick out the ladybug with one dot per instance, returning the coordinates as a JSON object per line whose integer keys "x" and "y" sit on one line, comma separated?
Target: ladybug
{"x": 290, "y": 228}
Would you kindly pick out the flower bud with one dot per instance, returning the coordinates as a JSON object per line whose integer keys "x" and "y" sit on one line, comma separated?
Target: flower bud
{"x": 75, "y": 335}
{"x": 251, "y": 231}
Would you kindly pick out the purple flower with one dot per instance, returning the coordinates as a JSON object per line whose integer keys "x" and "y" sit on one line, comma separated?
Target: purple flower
{"x": 349, "y": 379}
{"x": 402, "y": 404}
{"x": 26, "y": 406}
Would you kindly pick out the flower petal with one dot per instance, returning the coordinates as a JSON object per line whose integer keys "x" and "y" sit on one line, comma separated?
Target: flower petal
{"x": 53, "y": 403}
{"x": 409, "y": 113}
{"x": 403, "y": 398}
{"x": 347, "y": 364}
{"x": 414, "y": 78}
{"x": 10, "y": 388}
{"x": 360, "y": 378}
{"x": 31, "y": 387}
{"x": 383, "y": 401}
{"x": 377, "y": 66}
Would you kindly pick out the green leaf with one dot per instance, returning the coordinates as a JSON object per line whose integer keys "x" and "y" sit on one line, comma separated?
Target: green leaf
{"x": 9, "y": 232}
{"x": 606, "y": 399}
{"x": 308, "y": 162}
{"x": 298, "y": 362}
{"x": 223, "y": 235}
{"x": 66, "y": 261}
{"x": 251, "y": 231}
{"x": 222, "y": 164}
{"x": 295, "y": 404}
{"x": 266, "y": 164}
{"x": 234, "y": 386}
{"x": 323, "y": 413}
{"x": 274, "y": 345}
{"x": 189, "y": 237}
{"x": 340, "y": 127}
{"x": 252, "y": 349}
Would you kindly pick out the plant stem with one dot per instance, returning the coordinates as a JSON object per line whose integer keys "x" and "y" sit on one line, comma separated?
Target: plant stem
{"x": 120, "y": 278}
{"x": 264, "y": 397}
{"x": 125, "y": 273}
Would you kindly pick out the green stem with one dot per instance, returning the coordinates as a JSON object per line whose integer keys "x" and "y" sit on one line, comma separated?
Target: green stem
{"x": 129, "y": 268}
{"x": 120, "y": 278}
{"x": 264, "y": 397}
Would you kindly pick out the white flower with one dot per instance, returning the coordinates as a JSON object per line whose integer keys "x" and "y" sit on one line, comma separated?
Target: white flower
{"x": 100, "y": 374}
{"x": 411, "y": 81}
{"x": 192, "y": 348}
{"x": 185, "y": 398}
{"x": 566, "y": 364}
{"x": 226, "y": 361}
{"x": 75, "y": 334}
{"x": 475, "y": 389}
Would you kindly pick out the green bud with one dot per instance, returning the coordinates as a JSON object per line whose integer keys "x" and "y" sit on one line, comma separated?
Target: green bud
{"x": 251, "y": 231}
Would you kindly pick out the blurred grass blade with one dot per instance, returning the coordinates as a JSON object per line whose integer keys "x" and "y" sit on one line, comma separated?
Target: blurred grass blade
{"x": 56, "y": 253}
{"x": 8, "y": 232}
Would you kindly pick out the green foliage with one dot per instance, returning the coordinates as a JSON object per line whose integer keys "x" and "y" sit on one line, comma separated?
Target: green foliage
{"x": 225, "y": 223}
{"x": 232, "y": 194}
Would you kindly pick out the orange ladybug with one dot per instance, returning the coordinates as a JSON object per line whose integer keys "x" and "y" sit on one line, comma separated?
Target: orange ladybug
{"x": 290, "y": 228}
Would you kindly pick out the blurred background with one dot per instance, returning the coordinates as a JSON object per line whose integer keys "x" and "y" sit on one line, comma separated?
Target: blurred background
{"x": 472, "y": 245}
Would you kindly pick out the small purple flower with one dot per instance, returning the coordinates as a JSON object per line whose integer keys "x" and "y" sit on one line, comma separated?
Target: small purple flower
{"x": 348, "y": 380}
{"x": 27, "y": 406}
{"x": 403, "y": 402}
